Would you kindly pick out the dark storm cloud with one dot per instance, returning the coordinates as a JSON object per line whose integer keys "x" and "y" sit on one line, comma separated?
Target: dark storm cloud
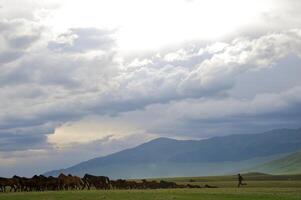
{"x": 30, "y": 136}
{"x": 240, "y": 124}
{"x": 205, "y": 118}
{"x": 16, "y": 142}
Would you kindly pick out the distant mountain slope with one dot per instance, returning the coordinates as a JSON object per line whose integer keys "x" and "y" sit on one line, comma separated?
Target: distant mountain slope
{"x": 157, "y": 150}
{"x": 290, "y": 164}
{"x": 169, "y": 157}
{"x": 243, "y": 147}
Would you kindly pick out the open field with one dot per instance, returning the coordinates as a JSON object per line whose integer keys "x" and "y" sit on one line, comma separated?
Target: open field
{"x": 185, "y": 194}
{"x": 256, "y": 180}
{"x": 260, "y": 187}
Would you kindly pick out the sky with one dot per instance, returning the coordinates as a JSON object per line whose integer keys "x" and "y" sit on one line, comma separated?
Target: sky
{"x": 86, "y": 78}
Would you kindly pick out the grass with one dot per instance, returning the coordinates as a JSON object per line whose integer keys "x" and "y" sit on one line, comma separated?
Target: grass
{"x": 260, "y": 187}
{"x": 285, "y": 165}
{"x": 256, "y": 180}
{"x": 172, "y": 194}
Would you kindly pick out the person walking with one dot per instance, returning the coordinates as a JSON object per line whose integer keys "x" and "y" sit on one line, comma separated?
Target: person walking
{"x": 240, "y": 179}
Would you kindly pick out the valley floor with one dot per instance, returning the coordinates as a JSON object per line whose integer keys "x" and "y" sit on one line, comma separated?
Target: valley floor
{"x": 169, "y": 194}
{"x": 260, "y": 187}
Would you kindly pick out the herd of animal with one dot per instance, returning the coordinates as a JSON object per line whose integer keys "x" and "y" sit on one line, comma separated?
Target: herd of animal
{"x": 69, "y": 182}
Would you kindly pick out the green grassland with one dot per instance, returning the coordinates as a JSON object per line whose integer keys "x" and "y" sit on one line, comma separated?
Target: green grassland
{"x": 256, "y": 180}
{"x": 260, "y": 187}
{"x": 290, "y": 164}
{"x": 168, "y": 194}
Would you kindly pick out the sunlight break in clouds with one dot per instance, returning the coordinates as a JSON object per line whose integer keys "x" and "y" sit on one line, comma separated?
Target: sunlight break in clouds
{"x": 92, "y": 129}
{"x": 150, "y": 25}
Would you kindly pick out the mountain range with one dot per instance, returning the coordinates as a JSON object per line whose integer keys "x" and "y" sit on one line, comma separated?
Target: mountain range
{"x": 213, "y": 156}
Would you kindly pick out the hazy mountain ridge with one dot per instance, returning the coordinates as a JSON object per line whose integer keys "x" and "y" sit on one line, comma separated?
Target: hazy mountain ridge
{"x": 170, "y": 157}
{"x": 244, "y": 147}
{"x": 290, "y": 164}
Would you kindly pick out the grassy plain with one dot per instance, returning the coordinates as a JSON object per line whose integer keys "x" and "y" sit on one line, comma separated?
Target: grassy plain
{"x": 260, "y": 187}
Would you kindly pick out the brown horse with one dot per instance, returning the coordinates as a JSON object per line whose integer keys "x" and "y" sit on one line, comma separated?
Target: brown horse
{"x": 69, "y": 182}
{"x": 119, "y": 184}
{"x": 150, "y": 184}
{"x": 9, "y": 182}
{"x": 52, "y": 183}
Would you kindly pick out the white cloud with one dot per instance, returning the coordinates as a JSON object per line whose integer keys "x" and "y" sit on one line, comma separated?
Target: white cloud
{"x": 216, "y": 47}
{"x": 243, "y": 55}
{"x": 67, "y": 87}
{"x": 82, "y": 40}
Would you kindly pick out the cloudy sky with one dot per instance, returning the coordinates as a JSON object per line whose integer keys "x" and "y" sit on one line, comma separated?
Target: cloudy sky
{"x": 80, "y": 79}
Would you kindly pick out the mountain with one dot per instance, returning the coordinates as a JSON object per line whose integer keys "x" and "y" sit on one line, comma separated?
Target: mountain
{"x": 213, "y": 156}
{"x": 290, "y": 164}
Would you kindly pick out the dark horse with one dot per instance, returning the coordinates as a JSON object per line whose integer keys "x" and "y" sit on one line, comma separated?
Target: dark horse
{"x": 99, "y": 182}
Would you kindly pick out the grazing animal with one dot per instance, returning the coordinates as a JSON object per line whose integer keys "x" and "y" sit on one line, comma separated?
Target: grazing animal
{"x": 166, "y": 184}
{"x": 69, "y": 182}
{"x": 2, "y": 184}
{"x": 150, "y": 184}
{"x": 193, "y": 186}
{"x": 124, "y": 184}
{"x": 99, "y": 182}
{"x": 117, "y": 184}
{"x": 52, "y": 183}
{"x": 210, "y": 186}
{"x": 77, "y": 182}
{"x": 39, "y": 183}
{"x": 25, "y": 184}
{"x": 9, "y": 182}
